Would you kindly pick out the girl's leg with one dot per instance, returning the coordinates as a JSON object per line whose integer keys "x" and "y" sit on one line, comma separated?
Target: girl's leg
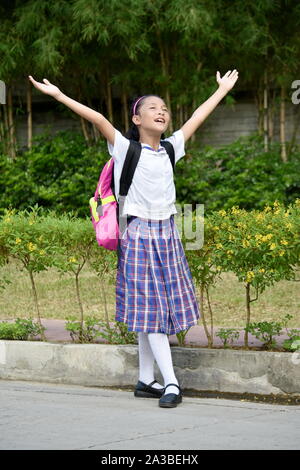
{"x": 146, "y": 361}
{"x": 160, "y": 346}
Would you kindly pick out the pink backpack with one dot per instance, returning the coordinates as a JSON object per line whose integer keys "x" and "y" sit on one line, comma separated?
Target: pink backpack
{"x": 104, "y": 216}
{"x": 104, "y": 207}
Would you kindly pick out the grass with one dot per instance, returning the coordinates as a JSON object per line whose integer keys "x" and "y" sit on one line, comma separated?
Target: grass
{"x": 57, "y": 298}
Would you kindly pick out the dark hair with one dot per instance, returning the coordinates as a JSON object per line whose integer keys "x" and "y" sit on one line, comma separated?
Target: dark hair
{"x": 133, "y": 131}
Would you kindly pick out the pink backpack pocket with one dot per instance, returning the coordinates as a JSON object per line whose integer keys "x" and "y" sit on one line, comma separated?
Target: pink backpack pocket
{"x": 104, "y": 216}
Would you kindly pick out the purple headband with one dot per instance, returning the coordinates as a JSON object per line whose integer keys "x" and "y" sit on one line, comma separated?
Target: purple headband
{"x": 139, "y": 99}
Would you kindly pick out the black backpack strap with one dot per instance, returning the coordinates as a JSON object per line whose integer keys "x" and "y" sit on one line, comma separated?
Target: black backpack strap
{"x": 130, "y": 164}
{"x": 170, "y": 151}
{"x": 131, "y": 160}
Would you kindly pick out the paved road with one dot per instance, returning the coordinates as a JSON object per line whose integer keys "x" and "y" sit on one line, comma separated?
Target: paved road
{"x": 50, "y": 416}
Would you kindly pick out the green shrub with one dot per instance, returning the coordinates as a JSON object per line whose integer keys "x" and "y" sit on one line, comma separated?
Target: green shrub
{"x": 240, "y": 173}
{"x": 228, "y": 335}
{"x": 292, "y": 344}
{"x": 59, "y": 172}
{"x": 91, "y": 328}
{"x": 21, "y": 329}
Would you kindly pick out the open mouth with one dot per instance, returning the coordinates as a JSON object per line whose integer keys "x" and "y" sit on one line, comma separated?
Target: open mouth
{"x": 160, "y": 120}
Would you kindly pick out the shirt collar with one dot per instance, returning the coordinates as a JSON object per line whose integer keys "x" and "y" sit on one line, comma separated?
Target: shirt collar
{"x": 146, "y": 146}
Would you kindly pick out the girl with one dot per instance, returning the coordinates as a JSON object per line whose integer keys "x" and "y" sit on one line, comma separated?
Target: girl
{"x": 155, "y": 294}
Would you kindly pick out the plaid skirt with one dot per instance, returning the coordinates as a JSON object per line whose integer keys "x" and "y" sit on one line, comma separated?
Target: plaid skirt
{"x": 154, "y": 287}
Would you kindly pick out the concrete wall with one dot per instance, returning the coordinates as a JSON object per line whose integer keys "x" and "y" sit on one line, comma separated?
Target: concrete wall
{"x": 197, "y": 369}
{"x": 222, "y": 127}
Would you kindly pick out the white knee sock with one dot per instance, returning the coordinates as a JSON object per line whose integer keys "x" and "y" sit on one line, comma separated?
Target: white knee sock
{"x": 160, "y": 346}
{"x": 146, "y": 361}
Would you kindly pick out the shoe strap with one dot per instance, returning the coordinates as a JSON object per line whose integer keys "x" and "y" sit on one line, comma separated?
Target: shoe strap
{"x": 174, "y": 385}
{"x": 150, "y": 385}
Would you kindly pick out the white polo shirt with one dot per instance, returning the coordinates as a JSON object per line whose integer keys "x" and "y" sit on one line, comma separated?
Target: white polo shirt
{"x": 152, "y": 193}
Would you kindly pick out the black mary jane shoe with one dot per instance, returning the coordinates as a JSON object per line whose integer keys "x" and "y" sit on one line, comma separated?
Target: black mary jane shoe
{"x": 170, "y": 400}
{"x": 147, "y": 391}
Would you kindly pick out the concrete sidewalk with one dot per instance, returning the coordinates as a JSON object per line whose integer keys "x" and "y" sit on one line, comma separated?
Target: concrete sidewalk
{"x": 50, "y": 416}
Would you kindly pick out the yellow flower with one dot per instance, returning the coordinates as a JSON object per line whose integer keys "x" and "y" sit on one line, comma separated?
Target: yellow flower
{"x": 18, "y": 240}
{"x": 245, "y": 243}
{"x": 260, "y": 216}
{"x": 218, "y": 268}
{"x": 272, "y": 246}
{"x": 288, "y": 225}
{"x": 72, "y": 259}
{"x": 222, "y": 212}
{"x": 267, "y": 237}
{"x": 284, "y": 242}
{"x": 42, "y": 252}
{"x": 241, "y": 225}
{"x": 235, "y": 210}
{"x": 216, "y": 227}
{"x": 276, "y": 203}
{"x": 250, "y": 276}
{"x": 281, "y": 252}
{"x": 231, "y": 237}
{"x": 267, "y": 209}
{"x": 31, "y": 246}
{"x": 229, "y": 252}
{"x": 262, "y": 270}
{"x": 219, "y": 245}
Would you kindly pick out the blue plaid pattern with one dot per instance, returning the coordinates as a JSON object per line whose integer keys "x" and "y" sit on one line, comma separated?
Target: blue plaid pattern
{"x": 154, "y": 289}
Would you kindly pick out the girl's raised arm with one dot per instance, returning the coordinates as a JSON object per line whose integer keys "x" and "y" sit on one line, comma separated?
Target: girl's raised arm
{"x": 104, "y": 126}
{"x": 225, "y": 84}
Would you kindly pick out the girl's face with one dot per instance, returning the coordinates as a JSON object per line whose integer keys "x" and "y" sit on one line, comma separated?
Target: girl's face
{"x": 153, "y": 115}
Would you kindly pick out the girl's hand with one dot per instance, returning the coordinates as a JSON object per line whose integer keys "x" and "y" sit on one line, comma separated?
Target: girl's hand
{"x": 227, "y": 82}
{"x": 46, "y": 87}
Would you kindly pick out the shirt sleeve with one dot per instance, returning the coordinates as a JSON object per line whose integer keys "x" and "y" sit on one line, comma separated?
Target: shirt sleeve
{"x": 119, "y": 150}
{"x": 177, "y": 140}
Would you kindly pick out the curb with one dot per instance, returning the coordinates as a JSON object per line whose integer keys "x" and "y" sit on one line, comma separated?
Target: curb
{"x": 198, "y": 370}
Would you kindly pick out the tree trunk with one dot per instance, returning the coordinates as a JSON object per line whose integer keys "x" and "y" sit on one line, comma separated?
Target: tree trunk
{"x": 96, "y": 133}
{"x": 271, "y": 113}
{"x": 35, "y": 297}
{"x": 84, "y": 128}
{"x": 258, "y": 98}
{"x": 125, "y": 110}
{"x": 209, "y": 338}
{"x": 108, "y": 95}
{"x": 164, "y": 65}
{"x": 266, "y": 138}
{"x": 4, "y": 129}
{"x": 195, "y": 104}
{"x": 292, "y": 142}
{"x": 282, "y": 123}
{"x": 248, "y": 313}
{"x": 80, "y": 306}
{"x": 29, "y": 114}
{"x": 11, "y": 126}
{"x": 211, "y": 317}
